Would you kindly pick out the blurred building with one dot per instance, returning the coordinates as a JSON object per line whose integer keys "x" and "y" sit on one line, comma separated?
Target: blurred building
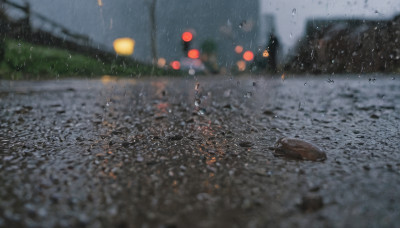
{"x": 348, "y": 46}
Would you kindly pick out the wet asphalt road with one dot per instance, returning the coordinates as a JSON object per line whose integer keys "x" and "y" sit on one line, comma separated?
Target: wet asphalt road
{"x": 170, "y": 152}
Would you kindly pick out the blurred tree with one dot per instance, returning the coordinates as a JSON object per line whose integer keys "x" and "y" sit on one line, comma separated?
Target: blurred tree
{"x": 209, "y": 55}
{"x": 209, "y": 47}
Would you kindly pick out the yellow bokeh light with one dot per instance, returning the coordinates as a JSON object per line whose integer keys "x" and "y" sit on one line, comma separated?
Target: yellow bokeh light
{"x": 241, "y": 65}
{"x": 265, "y": 54}
{"x": 161, "y": 62}
{"x": 105, "y": 79}
{"x": 100, "y": 2}
{"x": 124, "y": 46}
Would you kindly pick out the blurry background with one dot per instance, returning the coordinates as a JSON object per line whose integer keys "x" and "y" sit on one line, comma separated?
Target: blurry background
{"x": 218, "y": 26}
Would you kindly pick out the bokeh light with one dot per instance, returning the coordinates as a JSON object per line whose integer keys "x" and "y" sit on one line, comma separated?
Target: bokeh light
{"x": 265, "y": 54}
{"x": 238, "y": 49}
{"x": 176, "y": 65}
{"x": 241, "y": 65}
{"x": 161, "y": 62}
{"x": 248, "y": 56}
{"x": 187, "y": 36}
{"x": 194, "y": 54}
{"x": 124, "y": 46}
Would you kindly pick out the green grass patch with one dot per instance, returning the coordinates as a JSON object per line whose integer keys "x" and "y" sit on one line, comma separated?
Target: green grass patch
{"x": 23, "y": 60}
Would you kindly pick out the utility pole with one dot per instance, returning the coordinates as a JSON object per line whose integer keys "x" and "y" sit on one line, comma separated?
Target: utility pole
{"x": 153, "y": 31}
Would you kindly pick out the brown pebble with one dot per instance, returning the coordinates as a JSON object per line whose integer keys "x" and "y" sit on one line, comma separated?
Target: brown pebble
{"x": 298, "y": 149}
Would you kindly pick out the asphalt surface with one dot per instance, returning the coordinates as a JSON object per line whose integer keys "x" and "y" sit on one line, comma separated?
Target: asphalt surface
{"x": 198, "y": 152}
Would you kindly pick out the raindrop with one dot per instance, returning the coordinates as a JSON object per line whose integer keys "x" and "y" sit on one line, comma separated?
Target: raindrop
{"x": 291, "y": 35}
{"x": 227, "y": 93}
{"x": 107, "y": 104}
{"x": 197, "y": 102}
{"x": 19, "y": 44}
{"x": 31, "y": 48}
{"x": 248, "y": 95}
{"x": 192, "y": 71}
{"x": 202, "y": 111}
{"x": 294, "y": 11}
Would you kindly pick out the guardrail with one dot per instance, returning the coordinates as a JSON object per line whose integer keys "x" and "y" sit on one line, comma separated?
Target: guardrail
{"x": 29, "y": 15}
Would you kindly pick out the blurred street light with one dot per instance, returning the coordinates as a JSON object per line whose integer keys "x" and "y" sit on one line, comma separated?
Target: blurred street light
{"x": 194, "y": 54}
{"x": 161, "y": 62}
{"x": 265, "y": 54}
{"x": 241, "y": 65}
{"x": 124, "y": 46}
{"x": 176, "y": 65}
{"x": 187, "y": 36}
{"x": 248, "y": 56}
{"x": 238, "y": 49}
{"x": 186, "y": 39}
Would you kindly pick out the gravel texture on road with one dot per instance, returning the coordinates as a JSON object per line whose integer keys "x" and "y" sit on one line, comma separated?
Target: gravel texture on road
{"x": 199, "y": 152}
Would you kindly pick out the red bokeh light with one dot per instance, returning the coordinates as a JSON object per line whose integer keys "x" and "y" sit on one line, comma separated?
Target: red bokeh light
{"x": 194, "y": 54}
{"x": 248, "y": 56}
{"x": 187, "y": 36}
{"x": 238, "y": 49}
{"x": 176, "y": 65}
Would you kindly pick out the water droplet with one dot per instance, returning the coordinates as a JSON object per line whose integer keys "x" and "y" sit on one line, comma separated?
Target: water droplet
{"x": 192, "y": 71}
{"x": 291, "y": 35}
{"x": 31, "y": 48}
{"x": 197, "y": 102}
{"x": 19, "y": 44}
{"x": 202, "y": 111}
{"x": 248, "y": 95}
{"x": 294, "y": 11}
{"x": 107, "y": 104}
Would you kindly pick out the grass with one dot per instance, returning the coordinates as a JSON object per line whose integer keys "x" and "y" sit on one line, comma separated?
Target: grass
{"x": 23, "y": 60}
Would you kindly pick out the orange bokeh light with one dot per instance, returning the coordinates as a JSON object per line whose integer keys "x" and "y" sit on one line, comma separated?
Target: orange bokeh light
{"x": 161, "y": 62}
{"x": 194, "y": 54}
{"x": 238, "y": 49}
{"x": 187, "y": 36}
{"x": 176, "y": 65}
{"x": 241, "y": 65}
{"x": 265, "y": 54}
{"x": 248, "y": 55}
